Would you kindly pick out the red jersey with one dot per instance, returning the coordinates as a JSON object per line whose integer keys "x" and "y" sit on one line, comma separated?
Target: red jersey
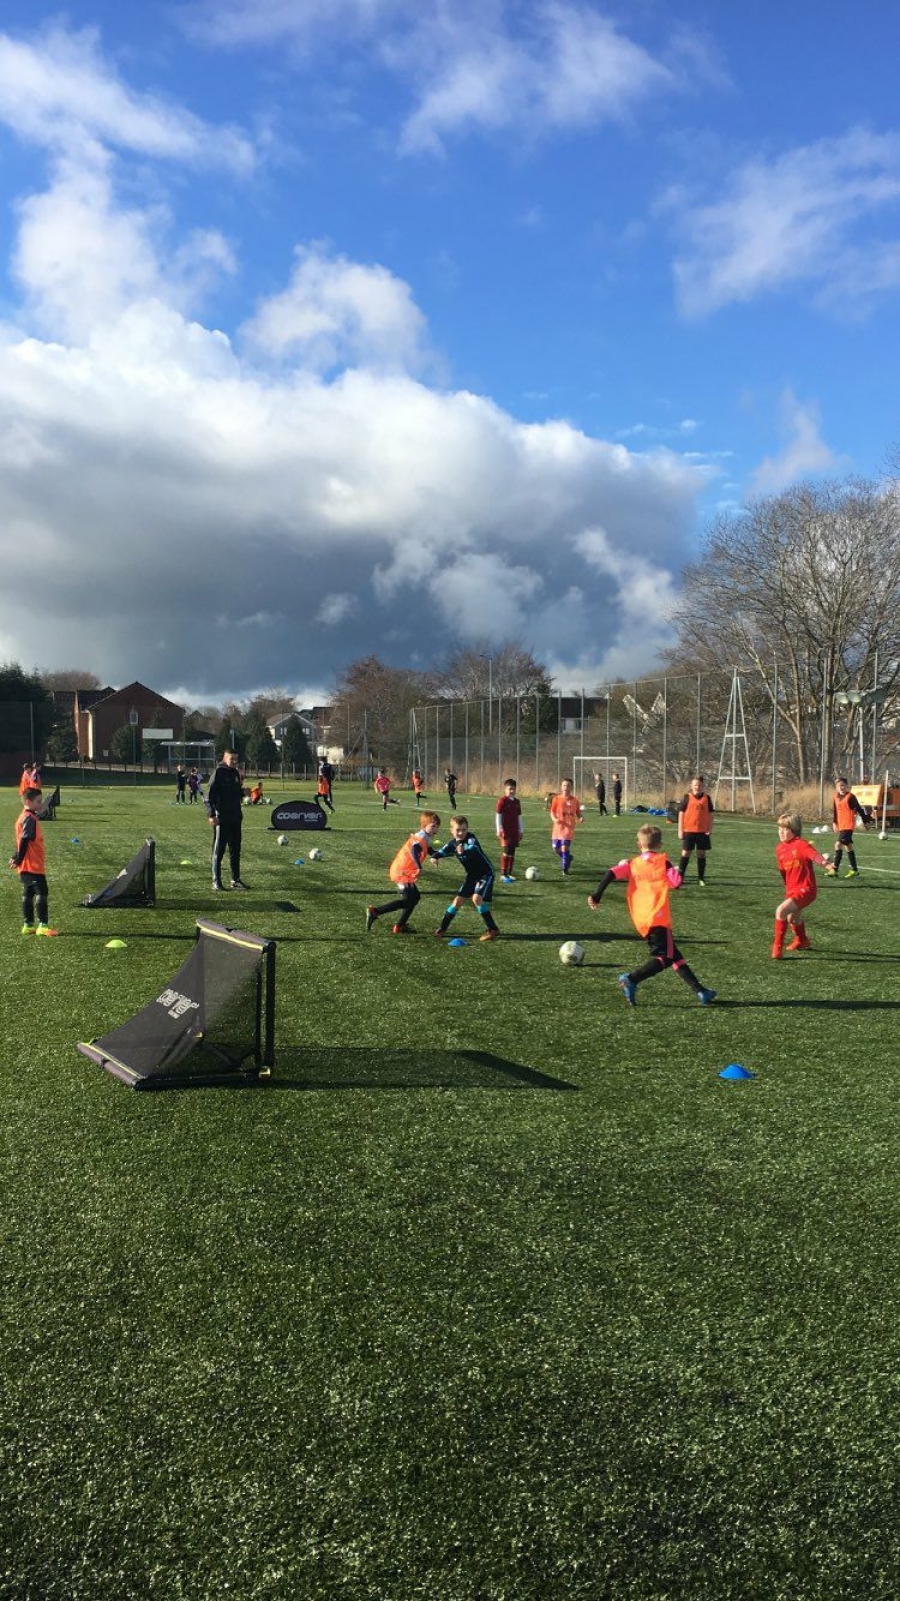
{"x": 797, "y": 860}
{"x": 509, "y": 818}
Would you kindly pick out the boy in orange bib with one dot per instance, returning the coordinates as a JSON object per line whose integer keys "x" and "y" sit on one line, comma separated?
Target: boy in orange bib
{"x": 649, "y": 878}
{"x": 404, "y": 871}
{"x": 29, "y": 863}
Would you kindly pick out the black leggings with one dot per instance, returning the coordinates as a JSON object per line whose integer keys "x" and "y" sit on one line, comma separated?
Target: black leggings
{"x": 407, "y": 901}
{"x": 34, "y": 897}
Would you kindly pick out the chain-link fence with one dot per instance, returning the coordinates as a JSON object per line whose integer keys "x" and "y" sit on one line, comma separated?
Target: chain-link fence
{"x": 739, "y": 728}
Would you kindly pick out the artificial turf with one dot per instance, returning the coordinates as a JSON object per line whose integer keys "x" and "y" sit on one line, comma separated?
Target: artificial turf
{"x": 498, "y": 1290}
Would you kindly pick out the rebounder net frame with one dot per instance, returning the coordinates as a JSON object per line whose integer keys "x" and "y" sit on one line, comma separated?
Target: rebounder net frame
{"x": 213, "y": 1023}
{"x": 134, "y": 885}
{"x": 47, "y": 813}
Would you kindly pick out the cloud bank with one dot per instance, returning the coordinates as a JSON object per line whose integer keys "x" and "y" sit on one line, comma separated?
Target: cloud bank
{"x": 224, "y": 510}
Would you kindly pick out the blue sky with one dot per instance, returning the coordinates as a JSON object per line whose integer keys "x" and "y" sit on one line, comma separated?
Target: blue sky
{"x": 330, "y": 327}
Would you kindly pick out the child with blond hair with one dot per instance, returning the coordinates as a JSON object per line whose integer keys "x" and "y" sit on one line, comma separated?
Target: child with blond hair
{"x": 648, "y": 878}
{"x": 797, "y": 861}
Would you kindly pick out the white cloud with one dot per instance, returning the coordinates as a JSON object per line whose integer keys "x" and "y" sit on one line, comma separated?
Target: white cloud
{"x": 158, "y": 480}
{"x": 82, "y": 260}
{"x": 804, "y": 454}
{"x": 335, "y": 312}
{"x": 570, "y": 68}
{"x": 302, "y": 23}
{"x": 335, "y": 609}
{"x": 58, "y": 91}
{"x": 791, "y": 219}
{"x": 473, "y": 65}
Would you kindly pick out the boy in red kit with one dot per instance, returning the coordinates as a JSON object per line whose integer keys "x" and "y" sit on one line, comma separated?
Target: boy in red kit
{"x": 649, "y": 878}
{"x": 509, "y": 829}
{"x": 565, "y": 809}
{"x": 797, "y": 861}
{"x": 383, "y": 787}
{"x": 28, "y": 862}
{"x": 404, "y": 870}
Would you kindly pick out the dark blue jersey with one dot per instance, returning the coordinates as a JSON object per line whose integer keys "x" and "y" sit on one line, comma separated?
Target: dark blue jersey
{"x": 470, "y": 855}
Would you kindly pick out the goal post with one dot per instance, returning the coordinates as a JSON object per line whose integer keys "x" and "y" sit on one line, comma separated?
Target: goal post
{"x": 584, "y": 768}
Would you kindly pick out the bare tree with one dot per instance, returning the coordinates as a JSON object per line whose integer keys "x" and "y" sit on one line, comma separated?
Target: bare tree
{"x": 506, "y": 669}
{"x": 372, "y": 704}
{"x": 69, "y": 678}
{"x": 804, "y": 585}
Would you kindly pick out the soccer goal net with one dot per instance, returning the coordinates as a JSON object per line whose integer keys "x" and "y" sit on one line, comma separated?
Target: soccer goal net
{"x": 133, "y": 885}
{"x": 212, "y": 1023}
{"x": 588, "y": 768}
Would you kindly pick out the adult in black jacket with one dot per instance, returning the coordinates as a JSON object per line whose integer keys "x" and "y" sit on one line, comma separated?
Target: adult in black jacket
{"x": 224, "y": 799}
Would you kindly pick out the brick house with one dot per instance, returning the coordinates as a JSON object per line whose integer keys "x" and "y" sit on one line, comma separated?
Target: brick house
{"x": 99, "y": 713}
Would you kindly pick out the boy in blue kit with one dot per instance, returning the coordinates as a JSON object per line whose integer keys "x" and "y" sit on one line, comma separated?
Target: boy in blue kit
{"x": 478, "y": 886}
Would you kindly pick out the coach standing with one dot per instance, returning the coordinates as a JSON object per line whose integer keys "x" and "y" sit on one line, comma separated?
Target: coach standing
{"x": 223, "y": 803}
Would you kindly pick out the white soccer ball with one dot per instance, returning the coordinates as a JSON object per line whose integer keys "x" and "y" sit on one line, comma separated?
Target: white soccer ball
{"x": 315, "y": 854}
{"x": 571, "y": 954}
{"x": 883, "y": 834}
{"x": 532, "y": 873}
{"x": 283, "y": 839}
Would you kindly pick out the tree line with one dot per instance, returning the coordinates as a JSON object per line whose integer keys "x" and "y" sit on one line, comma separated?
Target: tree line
{"x": 802, "y": 588}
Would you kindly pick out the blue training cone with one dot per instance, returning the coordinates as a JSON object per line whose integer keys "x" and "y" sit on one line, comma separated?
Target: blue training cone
{"x": 734, "y": 1070}
{"x": 456, "y": 941}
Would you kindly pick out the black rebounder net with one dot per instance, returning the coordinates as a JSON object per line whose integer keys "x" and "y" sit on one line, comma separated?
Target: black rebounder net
{"x": 213, "y": 1023}
{"x": 134, "y": 885}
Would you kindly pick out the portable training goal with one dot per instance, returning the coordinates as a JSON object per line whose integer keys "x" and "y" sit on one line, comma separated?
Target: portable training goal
{"x": 135, "y": 885}
{"x": 213, "y": 1023}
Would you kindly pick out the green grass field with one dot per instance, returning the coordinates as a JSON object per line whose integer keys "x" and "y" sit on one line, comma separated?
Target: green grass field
{"x": 498, "y": 1291}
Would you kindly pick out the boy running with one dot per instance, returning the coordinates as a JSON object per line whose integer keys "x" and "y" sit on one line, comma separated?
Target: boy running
{"x": 383, "y": 787}
{"x": 508, "y": 821}
{"x": 403, "y": 871}
{"x": 695, "y": 825}
{"x": 797, "y": 860}
{"x": 845, "y": 810}
{"x": 648, "y": 878}
{"x": 478, "y": 885}
{"x": 565, "y": 809}
{"x": 417, "y": 784}
{"x": 29, "y": 863}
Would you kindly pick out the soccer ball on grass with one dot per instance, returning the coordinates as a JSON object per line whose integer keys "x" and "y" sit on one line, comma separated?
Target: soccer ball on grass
{"x": 532, "y": 873}
{"x": 571, "y": 954}
{"x": 315, "y": 854}
{"x": 283, "y": 839}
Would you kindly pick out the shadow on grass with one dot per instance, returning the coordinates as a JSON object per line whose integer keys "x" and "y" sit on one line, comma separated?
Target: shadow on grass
{"x": 811, "y": 1005}
{"x": 305, "y": 1068}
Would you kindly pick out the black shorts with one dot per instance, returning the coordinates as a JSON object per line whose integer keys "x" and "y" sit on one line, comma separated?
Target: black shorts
{"x": 845, "y": 839}
{"x": 700, "y": 842}
{"x": 662, "y": 945}
{"x": 477, "y": 886}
